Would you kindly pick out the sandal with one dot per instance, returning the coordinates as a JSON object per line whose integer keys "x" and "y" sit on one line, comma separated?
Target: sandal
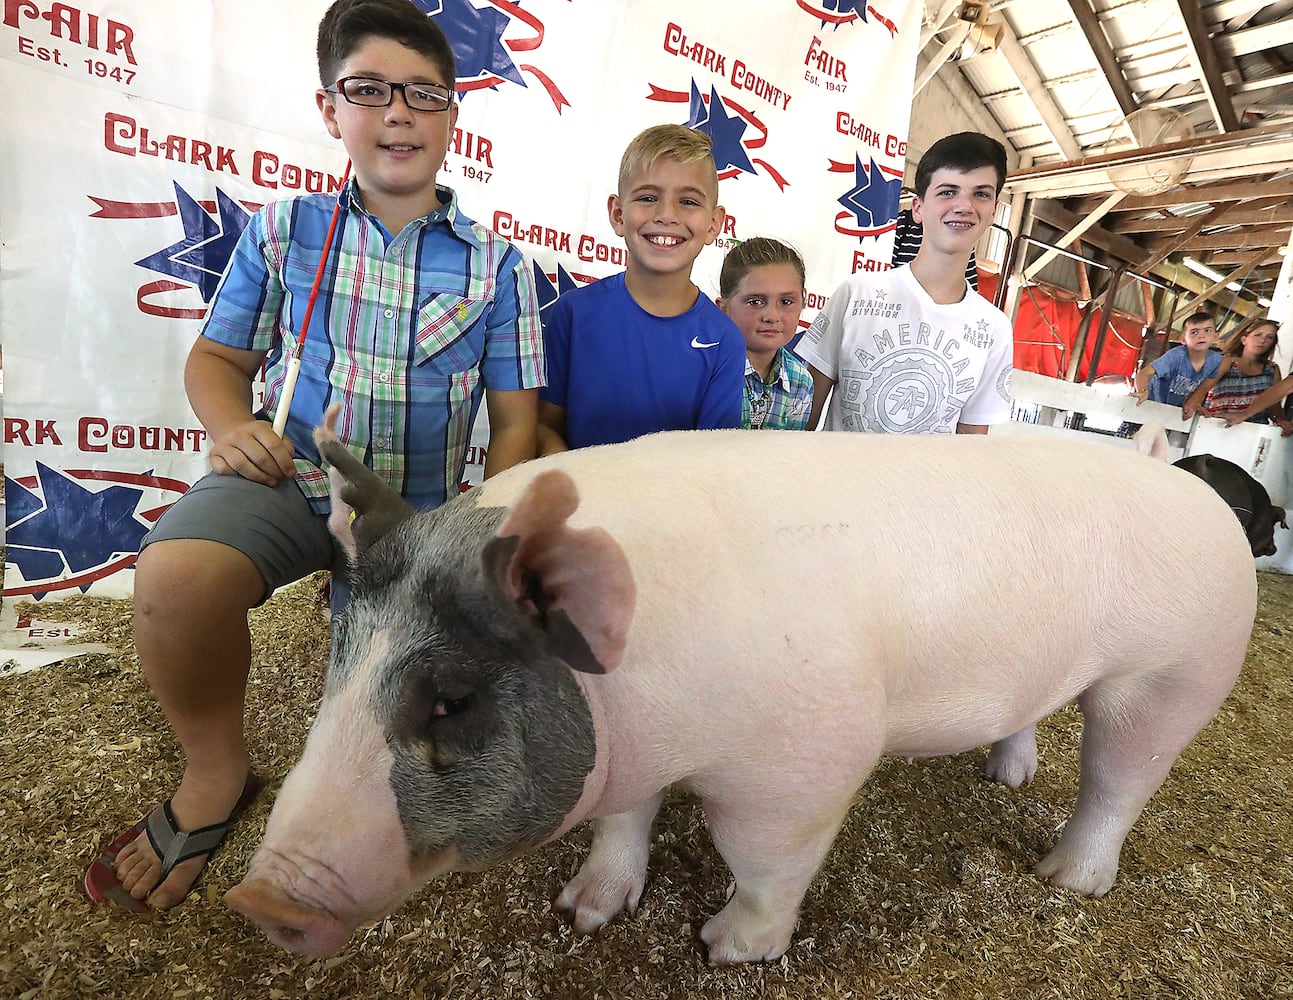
{"x": 172, "y": 845}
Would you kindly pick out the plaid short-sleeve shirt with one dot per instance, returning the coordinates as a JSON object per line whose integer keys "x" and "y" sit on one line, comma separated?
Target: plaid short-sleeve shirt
{"x": 782, "y": 402}
{"x": 408, "y": 331}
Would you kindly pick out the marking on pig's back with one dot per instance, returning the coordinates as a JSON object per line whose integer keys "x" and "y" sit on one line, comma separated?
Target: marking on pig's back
{"x": 797, "y": 534}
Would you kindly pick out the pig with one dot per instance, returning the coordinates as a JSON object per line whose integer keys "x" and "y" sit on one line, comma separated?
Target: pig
{"x": 1245, "y": 495}
{"x": 755, "y": 618}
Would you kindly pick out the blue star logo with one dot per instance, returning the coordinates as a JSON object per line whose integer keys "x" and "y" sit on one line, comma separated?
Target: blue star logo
{"x": 201, "y": 257}
{"x": 548, "y": 293}
{"x": 724, "y": 130}
{"x": 72, "y": 529}
{"x": 843, "y": 11}
{"x": 476, "y": 37}
{"x": 874, "y": 197}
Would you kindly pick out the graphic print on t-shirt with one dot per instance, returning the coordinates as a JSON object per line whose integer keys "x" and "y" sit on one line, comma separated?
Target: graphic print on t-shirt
{"x": 909, "y": 381}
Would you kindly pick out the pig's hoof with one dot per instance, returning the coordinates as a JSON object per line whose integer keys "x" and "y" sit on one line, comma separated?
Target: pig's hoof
{"x": 597, "y": 899}
{"x": 732, "y": 936}
{"x": 1009, "y": 772}
{"x": 1013, "y": 760}
{"x": 1068, "y": 872}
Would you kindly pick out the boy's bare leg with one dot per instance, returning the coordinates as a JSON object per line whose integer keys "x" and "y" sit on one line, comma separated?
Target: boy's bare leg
{"x": 191, "y": 602}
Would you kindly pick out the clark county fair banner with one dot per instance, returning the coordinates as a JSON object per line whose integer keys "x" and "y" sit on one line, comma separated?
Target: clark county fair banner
{"x": 139, "y": 135}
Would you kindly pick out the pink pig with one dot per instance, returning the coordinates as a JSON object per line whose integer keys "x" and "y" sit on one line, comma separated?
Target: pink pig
{"x": 755, "y": 618}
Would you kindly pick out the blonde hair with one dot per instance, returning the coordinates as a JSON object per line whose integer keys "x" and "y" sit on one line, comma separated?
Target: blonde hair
{"x": 758, "y": 251}
{"x": 1234, "y": 345}
{"x": 678, "y": 142}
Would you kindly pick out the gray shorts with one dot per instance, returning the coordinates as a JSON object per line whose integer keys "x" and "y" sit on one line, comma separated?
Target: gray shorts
{"x": 273, "y": 526}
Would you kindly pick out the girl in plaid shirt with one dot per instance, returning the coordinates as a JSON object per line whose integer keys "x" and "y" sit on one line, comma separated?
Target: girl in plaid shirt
{"x": 762, "y": 286}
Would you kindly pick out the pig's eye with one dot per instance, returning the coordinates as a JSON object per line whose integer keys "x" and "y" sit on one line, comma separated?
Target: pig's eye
{"x": 449, "y": 706}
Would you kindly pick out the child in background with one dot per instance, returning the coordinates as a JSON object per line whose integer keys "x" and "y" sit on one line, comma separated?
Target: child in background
{"x": 1245, "y": 373}
{"x": 1181, "y": 370}
{"x": 762, "y": 289}
{"x": 1272, "y": 397}
{"x": 644, "y": 351}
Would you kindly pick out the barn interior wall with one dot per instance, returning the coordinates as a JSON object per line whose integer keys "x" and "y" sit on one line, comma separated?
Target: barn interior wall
{"x": 946, "y": 105}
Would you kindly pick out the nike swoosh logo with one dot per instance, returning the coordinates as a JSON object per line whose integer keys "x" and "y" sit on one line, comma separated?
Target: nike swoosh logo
{"x": 695, "y": 342}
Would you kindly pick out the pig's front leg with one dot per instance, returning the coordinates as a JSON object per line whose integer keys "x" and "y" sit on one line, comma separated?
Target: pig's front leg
{"x": 773, "y": 856}
{"x": 613, "y": 876}
{"x": 1013, "y": 761}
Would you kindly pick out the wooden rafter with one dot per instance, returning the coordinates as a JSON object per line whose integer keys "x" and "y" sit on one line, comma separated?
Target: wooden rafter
{"x": 1071, "y": 237}
{"x": 1175, "y": 223}
{"x": 1127, "y": 251}
{"x": 1165, "y": 248}
{"x": 1054, "y": 214}
{"x": 1103, "y": 51}
{"x": 1216, "y": 287}
{"x": 1239, "y": 239}
{"x": 1205, "y": 60}
{"x": 1258, "y": 38}
{"x": 1235, "y": 14}
{"x": 1034, "y": 86}
{"x": 1228, "y": 190}
{"x": 1232, "y": 258}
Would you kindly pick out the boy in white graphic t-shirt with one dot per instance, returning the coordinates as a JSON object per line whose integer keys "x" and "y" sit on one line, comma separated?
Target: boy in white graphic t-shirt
{"x": 915, "y": 350}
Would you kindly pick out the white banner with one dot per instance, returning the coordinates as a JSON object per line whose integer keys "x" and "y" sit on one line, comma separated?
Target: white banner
{"x": 140, "y": 134}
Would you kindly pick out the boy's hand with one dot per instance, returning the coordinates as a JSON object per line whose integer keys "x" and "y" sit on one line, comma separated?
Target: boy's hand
{"x": 1139, "y": 395}
{"x": 252, "y": 450}
{"x": 1285, "y": 426}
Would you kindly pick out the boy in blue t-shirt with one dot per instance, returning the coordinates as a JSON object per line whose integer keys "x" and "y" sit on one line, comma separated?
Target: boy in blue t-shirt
{"x": 644, "y": 351}
{"x": 1181, "y": 370}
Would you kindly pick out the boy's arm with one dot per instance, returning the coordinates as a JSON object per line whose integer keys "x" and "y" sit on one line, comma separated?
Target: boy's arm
{"x": 819, "y": 348}
{"x": 218, "y": 382}
{"x": 822, "y": 386}
{"x": 552, "y": 428}
{"x": 1270, "y": 397}
{"x": 1143, "y": 378}
{"x": 990, "y": 402}
{"x": 720, "y": 406}
{"x": 557, "y": 323}
{"x": 1193, "y": 404}
{"x": 513, "y": 428}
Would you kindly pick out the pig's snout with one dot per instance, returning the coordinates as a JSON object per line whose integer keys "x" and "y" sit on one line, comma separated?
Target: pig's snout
{"x": 290, "y": 924}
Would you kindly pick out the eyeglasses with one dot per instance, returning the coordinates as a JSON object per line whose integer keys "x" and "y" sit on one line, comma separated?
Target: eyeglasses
{"x": 369, "y": 93}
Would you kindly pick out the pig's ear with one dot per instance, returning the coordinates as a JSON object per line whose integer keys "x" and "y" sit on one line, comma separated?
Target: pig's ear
{"x": 355, "y": 487}
{"x": 574, "y": 585}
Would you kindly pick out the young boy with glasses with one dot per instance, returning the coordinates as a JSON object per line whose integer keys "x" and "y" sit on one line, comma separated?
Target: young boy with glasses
{"x": 421, "y": 311}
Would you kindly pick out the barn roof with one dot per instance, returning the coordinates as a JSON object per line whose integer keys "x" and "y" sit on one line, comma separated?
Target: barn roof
{"x": 1163, "y": 128}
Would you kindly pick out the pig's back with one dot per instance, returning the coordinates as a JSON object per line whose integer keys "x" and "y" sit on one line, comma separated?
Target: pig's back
{"x": 879, "y": 565}
{"x": 919, "y": 501}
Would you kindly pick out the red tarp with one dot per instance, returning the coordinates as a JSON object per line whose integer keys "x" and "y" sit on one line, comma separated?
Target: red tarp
{"x": 1046, "y": 327}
